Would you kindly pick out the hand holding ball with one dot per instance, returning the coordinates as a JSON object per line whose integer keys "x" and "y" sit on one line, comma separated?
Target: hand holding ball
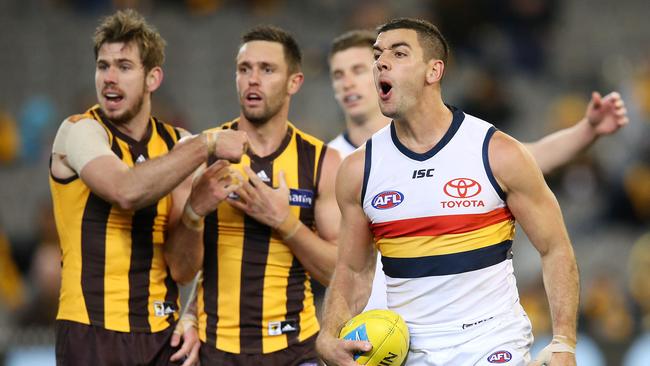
{"x": 385, "y": 330}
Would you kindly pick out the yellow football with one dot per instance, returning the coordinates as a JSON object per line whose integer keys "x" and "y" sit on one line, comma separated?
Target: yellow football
{"x": 385, "y": 330}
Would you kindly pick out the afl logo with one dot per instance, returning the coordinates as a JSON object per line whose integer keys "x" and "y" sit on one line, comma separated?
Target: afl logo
{"x": 500, "y": 357}
{"x": 387, "y": 199}
{"x": 462, "y": 188}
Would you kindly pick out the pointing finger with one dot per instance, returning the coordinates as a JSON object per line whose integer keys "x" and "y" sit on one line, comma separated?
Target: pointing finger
{"x": 252, "y": 176}
{"x": 596, "y": 99}
{"x": 357, "y": 346}
{"x": 176, "y": 339}
{"x": 282, "y": 181}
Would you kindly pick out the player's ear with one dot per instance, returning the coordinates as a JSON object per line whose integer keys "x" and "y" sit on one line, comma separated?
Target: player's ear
{"x": 435, "y": 70}
{"x": 154, "y": 78}
{"x": 295, "y": 82}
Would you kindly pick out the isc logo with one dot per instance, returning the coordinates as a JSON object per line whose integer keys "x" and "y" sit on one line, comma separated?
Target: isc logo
{"x": 387, "y": 199}
{"x": 421, "y": 173}
{"x": 500, "y": 357}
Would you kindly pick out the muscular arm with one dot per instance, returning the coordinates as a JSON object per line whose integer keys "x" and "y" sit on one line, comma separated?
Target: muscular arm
{"x": 317, "y": 251}
{"x": 134, "y": 187}
{"x": 536, "y": 209}
{"x": 355, "y": 266}
{"x": 139, "y": 186}
{"x": 603, "y": 116}
{"x": 183, "y": 248}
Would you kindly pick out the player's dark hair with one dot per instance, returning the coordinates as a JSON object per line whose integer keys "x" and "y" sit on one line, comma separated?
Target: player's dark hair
{"x": 433, "y": 43}
{"x": 129, "y": 26}
{"x": 270, "y": 33}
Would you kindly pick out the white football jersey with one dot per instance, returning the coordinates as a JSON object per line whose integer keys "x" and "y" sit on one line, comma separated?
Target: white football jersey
{"x": 343, "y": 144}
{"x": 442, "y": 226}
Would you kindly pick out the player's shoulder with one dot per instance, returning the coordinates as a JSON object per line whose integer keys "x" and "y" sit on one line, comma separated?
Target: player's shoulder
{"x": 77, "y": 117}
{"x": 507, "y": 156}
{"x": 172, "y": 130}
{"x": 339, "y": 139}
{"x": 306, "y": 136}
{"x": 503, "y": 146}
{"x": 355, "y": 161}
{"x": 342, "y": 144}
{"x": 90, "y": 116}
{"x": 223, "y": 126}
{"x": 350, "y": 175}
{"x": 80, "y": 118}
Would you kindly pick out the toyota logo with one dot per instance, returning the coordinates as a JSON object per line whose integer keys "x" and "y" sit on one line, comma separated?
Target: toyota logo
{"x": 462, "y": 188}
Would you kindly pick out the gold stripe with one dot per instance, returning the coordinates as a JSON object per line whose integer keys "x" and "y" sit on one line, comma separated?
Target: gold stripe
{"x": 229, "y": 255}
{"x": 422, "y": 246}
{"x": 158, "y": 272}
{"x": 230, "y": 249}
{"x": 69, "y": 202}
{"x": 279, "y": 259}
{"x": 276, "y": 278}
{"x": 308, "y": 321}
{"x": 158, "y": 147}
{"x": 157, "y": 288}
{"x": 202, "y": 315}
{"x": 318, "y": 145}
{"x": 118, "y": 254}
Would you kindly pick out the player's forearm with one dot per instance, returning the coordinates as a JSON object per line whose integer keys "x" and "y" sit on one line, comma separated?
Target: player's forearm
{"x": 560, "y": 147}
{"x": 342, "y": 301}
{"x": 184, "y": 252}
{"x": 316, "y": 254}
{"x": 561, "y": 281}
{"x": 147, "y": 182}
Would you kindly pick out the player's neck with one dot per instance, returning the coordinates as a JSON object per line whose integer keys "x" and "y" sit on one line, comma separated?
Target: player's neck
{"x": 421, "y": 128}
{"x": 359, "y": 133}
{"x": 266, "y": 137}
{"x": 136, "y": 127}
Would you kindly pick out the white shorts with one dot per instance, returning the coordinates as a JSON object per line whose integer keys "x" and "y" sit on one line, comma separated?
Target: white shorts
{"x": 503, "y": 339}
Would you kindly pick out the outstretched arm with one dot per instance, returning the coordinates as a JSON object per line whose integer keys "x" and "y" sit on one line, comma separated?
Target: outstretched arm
{"x": 536, "y": 209}
{"x": 355, "y": 267}
{"x": 83, "y": 148}
{"x": 604, "y": 116}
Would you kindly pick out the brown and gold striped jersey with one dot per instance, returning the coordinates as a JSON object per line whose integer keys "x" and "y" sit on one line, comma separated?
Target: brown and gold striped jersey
{"x": 114, "y": 274}
{"x": 256, "y": 296}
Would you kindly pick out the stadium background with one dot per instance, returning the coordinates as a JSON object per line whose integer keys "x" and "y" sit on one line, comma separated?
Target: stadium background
{"x": 526, "y": 65}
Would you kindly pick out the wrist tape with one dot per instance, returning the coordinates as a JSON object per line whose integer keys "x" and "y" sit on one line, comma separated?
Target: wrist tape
{"x": 191, "y": 219}
{"x": 289, "y": 227}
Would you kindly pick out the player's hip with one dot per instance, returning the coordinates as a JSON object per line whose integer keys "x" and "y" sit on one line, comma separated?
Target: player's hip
{"x": 502, "y": 338}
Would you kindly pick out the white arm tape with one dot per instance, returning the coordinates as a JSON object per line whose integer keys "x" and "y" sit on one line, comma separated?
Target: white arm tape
{"x": 544, "y": 356}
{"x": 86, "y": 140}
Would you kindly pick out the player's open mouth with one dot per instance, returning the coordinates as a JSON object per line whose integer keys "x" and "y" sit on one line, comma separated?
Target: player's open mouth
{"x": 385, "y": 88}
{"x": 113, "y": 97}
{"x": 253, "y": 98}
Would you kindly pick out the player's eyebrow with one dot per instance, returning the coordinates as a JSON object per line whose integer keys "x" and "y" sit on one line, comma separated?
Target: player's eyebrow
{"x": 375, "y": 47}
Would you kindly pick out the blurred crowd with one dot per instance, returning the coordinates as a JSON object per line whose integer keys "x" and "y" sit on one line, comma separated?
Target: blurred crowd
{"x": 505, "y": 56}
